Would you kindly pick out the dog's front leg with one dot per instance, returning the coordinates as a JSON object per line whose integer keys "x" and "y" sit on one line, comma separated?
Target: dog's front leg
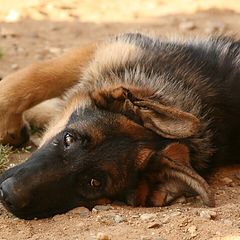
{"x": 34, "y": 84}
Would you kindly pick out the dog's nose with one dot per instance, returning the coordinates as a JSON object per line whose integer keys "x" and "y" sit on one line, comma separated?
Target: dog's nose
{"x": 11, "y": 196}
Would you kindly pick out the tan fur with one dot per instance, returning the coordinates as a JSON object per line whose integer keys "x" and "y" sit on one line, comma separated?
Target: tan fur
{"x": 43, "y": 113}
{"x": 36, "y": 83}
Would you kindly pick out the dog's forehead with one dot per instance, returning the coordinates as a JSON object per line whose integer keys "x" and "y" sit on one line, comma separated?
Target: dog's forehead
{"x": 90, "y": 117}
{"x": 101, "y": 124}
{"x": 93, "y": 122}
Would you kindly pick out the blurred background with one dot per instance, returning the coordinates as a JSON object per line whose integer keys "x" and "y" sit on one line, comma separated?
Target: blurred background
{"x": 32, "y": 30}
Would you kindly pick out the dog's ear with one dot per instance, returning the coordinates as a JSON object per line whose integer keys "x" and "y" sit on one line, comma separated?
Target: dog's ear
{"x": 167, "y": 121}
{"x": 175, "y": 165}
{"x": 170, "y": 176}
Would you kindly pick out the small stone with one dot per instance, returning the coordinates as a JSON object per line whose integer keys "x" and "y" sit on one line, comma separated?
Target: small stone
{"x": 187, "y": 25}
{"x": 103, "y": 236}
{"x": 145, "y": 238}
{"x": 54, "y": 50}
{"x": 107, "y": 219}
{"x": 193, "y": 230}
{"x": 227, "y": 222}
{"x": 80, "y": 211}
{"x": 15, "y": 66}
{"x": 181, "y": 200}
{"x": 94, "y": 210}
{"x": 147, "y": 216}
{"x": 19, "y": 50}
{"x": 154, "y": 225}
{"x": 102, "y": 207}
{"x": 227, "y": 180}
{"x": 59, "y": 218}
{"x": 119, "y": 219}
{"x": 208, "y": 214}
{"x": 83, "y": 212}
{"x": 165, "y": 220}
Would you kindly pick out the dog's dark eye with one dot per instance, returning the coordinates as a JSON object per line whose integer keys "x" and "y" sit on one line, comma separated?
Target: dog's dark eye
{"x": 68, "y": 140}
{"x": 95, "y": 183}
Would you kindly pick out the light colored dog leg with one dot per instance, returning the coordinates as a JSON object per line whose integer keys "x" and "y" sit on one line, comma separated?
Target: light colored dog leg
{"x": 34, "y": 84}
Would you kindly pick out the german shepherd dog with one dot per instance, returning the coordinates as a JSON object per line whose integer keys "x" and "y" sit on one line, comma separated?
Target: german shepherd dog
{"x": 142, "y": 120}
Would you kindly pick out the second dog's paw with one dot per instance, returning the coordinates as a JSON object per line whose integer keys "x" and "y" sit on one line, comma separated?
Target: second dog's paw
{"x": 14, "y": 130}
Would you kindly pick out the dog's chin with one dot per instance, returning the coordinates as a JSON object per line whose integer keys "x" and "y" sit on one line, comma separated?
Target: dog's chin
{"x": 30, "y": 214}
{"x": 38, "y": 212}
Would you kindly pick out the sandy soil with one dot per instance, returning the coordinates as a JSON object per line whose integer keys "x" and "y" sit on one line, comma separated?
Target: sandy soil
{"x": 31, "y": 30}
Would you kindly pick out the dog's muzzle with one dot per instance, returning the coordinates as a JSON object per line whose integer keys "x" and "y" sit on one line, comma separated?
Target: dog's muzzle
{"x": 12, "y": 197}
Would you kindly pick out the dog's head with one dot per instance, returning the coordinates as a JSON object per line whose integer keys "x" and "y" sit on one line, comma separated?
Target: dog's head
{"x": 96, "y": 152}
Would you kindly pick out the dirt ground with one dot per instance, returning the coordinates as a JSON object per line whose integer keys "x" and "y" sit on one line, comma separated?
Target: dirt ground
{"x": 32, "y": 30}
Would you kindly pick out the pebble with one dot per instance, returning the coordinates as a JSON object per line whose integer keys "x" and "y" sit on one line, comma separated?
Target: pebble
{"x": 19, "y": 50}
{"x": 80, "y": 211}
{"x": 145, "y": 238}
{"x": 59, "y": 218}
{"x": 154, "y": 225}
{"x": 187, "y": 25}
{"x": 228, "y": 222}
{"x": 208, "y": 214}
{"x": 54, "y": 50}
{"x": 181, "y": 200}
{"x": 103, "y": 236}
{"x": 147, "y": 216}
{"x": 166, "y": 220}
{"x": 102, "y": 208}
{"x": 119, "y": 219}
{"x": 227, "y": 180}
{"x": 105, "y": 219}
{"x": 83, "y": 212}
{"x": 193, "y": 231}
{"x": 14, "y": 66}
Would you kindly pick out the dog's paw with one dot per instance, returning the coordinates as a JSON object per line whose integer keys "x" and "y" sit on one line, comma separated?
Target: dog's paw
{"x": 14, "y": 130}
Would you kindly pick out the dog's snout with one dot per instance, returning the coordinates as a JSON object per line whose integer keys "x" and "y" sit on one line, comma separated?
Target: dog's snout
{"x": 12, "y": 196}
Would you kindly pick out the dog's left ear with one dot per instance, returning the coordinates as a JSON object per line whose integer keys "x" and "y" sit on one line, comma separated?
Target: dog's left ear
{"x": 167, "y": 121}
{"x": 170, "y": 176}
{"x": 174, "y": 160}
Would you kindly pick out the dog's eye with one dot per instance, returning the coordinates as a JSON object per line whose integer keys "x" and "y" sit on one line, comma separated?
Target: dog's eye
{"x": 68, "y": 140}
{"x": 95, "y": 183}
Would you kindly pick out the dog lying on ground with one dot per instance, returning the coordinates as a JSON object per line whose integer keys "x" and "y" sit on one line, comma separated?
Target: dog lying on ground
{"x": 142, "y": 120}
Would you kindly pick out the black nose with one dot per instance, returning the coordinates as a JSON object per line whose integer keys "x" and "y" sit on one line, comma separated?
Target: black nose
{"x": 12, "y": 196}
